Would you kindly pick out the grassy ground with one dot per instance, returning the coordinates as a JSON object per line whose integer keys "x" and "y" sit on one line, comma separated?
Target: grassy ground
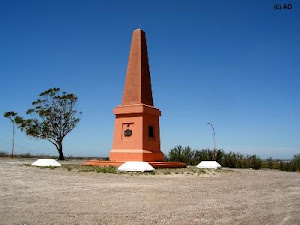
{"x": 190, "y": 170}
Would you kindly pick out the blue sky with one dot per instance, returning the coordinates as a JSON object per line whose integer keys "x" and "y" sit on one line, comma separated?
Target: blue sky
{"x": 235, "y": 64}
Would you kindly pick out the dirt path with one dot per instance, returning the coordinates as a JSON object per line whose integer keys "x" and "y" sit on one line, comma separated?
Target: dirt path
{"x": 43, "y": 196}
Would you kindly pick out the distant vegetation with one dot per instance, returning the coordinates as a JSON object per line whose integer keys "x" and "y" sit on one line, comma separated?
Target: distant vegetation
{"x": 231, "y": 159}
{"x": 41, "y": 156}
{"x": 293, "y": 165}
{"x": 194, "y": 157}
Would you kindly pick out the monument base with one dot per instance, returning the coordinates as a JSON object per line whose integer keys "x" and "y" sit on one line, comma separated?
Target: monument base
{"x": 155, "y": 165}
{"x": 124, "y": 155}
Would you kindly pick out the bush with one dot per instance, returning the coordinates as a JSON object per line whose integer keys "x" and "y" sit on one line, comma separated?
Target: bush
{"x": 270, "y": 163}
{"x": 180, "y": 154}
{"x": 4, "y": 154}
{"x": 296, "y": 161}
{"x": 293, "y": 165}
{"x": 231, "y": 160}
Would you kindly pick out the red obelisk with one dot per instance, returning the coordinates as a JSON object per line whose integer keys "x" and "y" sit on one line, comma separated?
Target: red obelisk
{"x": 136, "y": 132}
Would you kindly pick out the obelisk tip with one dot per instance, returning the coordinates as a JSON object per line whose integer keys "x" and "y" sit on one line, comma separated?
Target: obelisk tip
{"x": 138, "y": 29}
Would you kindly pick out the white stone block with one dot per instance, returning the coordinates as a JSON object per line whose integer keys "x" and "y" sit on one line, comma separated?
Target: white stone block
{"x": 209, "y": 165}
{"x": 46, "y": 162}
{"x": 136, "y": 167}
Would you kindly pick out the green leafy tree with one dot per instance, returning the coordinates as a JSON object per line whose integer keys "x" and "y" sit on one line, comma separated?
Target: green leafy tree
{"x": 53, "y": 116}
{"x": 180, "y": 154}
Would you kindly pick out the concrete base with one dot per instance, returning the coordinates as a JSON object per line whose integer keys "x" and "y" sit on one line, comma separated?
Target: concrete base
{"x": 46, "y": 162}
{"x": 136, "y": 167}
{"x": 119, "y": 163}
{"x": 209, "y": 165}
{"x": 125, "y": 155}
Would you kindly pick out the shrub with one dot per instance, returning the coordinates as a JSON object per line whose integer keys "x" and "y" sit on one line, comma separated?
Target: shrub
{"x": 296, "y": 161}
{"x": 270, "y": 163}
{"x": 231, "y": 160}
{"x": 293, "y": 165}
{"x": 106, "y": 169}
{"x": 180, "y": 154}
{"x": 4, "y": 154}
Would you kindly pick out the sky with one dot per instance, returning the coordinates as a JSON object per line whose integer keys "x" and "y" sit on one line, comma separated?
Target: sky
{"x": 235, "y": 64}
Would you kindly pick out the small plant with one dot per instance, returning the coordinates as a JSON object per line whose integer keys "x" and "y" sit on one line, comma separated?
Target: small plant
{"x": 26, "y": 164}
{"x": 47, "y": 167}
{"x": 87, "y": 169}
{"x": 109, "y": 169}
{"x": 166, "y": 172}
{"x": 106, "y": 169}
{"x": 201, "y": 171}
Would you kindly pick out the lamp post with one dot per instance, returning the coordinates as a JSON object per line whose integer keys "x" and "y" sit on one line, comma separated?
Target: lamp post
{"x": 214, "y": 136}
{"x": 13, "y": 142}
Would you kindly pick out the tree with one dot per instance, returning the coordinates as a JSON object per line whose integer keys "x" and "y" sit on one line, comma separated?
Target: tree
{"x": 12, "y": 114}
{"x": 180, "y": 154}
{"x": 54, "y": 116}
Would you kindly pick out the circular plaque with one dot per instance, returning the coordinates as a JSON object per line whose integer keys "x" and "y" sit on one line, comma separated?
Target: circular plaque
{"x": 127, "y": 133}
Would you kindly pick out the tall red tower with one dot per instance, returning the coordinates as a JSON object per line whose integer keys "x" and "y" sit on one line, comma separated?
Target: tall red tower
{"x": 136, "y": 132}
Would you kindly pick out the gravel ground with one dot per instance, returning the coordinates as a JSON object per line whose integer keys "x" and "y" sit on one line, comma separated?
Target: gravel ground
{"x": 30, "y": 195}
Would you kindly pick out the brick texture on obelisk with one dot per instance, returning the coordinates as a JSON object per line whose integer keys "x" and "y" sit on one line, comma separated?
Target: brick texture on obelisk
{"x": 136, "y": 132}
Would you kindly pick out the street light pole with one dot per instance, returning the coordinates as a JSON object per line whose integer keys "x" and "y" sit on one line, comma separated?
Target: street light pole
{"x": 13, "y": 142}
{"x": 214, "y": 136}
